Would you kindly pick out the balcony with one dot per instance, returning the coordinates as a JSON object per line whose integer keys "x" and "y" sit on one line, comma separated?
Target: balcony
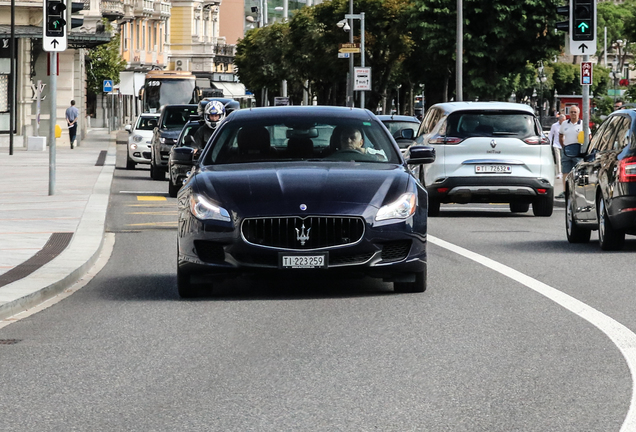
{"x": 161, "y": 10}
{"x": 144, "y": 8}
{"x": 225, "y": 50}
{"x": 112, "y": 9}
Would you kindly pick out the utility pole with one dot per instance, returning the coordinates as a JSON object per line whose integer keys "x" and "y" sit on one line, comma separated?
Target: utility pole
{"x": 459, "y": 57}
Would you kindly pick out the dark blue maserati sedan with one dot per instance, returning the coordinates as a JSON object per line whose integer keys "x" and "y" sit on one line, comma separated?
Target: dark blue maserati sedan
{"x": 308, "y": 191}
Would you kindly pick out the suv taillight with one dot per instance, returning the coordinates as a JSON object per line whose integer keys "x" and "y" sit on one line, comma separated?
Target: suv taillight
{"x": 439, "y": 139}
{"x": 627, "y": 170}
{"x": 535, "y": 140}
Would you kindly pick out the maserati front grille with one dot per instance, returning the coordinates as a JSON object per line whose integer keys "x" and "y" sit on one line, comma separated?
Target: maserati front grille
{"x": 312, "y": 232}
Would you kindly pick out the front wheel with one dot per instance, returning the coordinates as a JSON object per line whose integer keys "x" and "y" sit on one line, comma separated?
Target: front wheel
{"x": 574, "y": 232}
{"x": 157, "y": 173}
{"x": 608, "y": 237}
{"x": 173, "y": 189}
{"x": 412, "y": 287}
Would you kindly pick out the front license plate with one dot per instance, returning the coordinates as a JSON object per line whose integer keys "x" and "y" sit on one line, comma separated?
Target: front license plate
{"x": 493, "y": 169}
{"x": 309, "y": 261}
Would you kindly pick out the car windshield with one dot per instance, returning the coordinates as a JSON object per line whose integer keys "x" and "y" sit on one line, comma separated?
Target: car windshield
{"x": 146, "y": 123}
{"x": 491, "y": 124}
{"x": 331, "y": 139}
{"x": 188, "y": 131}
{"x": 395, "y": 126}
{"x": 175, "y": 117}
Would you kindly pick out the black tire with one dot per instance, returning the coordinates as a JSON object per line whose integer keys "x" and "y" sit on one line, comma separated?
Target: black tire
{"x": 574, "y": 232}
{"x": 412, "y": 287}
{"x": 130, "y": 164}
{"x": 184, "y": 286}
{"x": 433, "y": 207}
{"x": 157, "y": 173}
{"x": 173, "y": 189}
{"x": 543, "y": 205}
{"x": 519, "y": 207}
{"x": 608, "y": 238}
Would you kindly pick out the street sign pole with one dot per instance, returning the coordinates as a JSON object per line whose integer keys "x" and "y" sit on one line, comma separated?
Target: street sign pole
{"x": 53, "y": 119}
{"x": 586, "y": 106}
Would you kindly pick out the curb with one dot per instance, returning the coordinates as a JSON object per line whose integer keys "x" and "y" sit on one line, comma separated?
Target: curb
{"x": 76, "y": 260}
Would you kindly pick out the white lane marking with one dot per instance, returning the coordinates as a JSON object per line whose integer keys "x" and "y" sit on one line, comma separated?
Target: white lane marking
{"x": 620, "y": 335}
{"x": 141, "y": 192}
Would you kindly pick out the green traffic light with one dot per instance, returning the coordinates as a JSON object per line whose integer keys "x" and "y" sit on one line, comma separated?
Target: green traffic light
{"x": 583, "y": 27}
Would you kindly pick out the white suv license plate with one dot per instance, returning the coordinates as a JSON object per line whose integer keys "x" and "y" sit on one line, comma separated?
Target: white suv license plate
{"x": 303, "y": 261}
{"x": 493, "y": 169}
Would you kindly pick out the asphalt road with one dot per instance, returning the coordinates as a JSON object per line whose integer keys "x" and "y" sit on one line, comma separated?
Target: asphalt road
{"x": 477, "y": 351}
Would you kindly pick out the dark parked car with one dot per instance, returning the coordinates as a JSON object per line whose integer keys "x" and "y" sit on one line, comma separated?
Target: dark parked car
{"x": 278, "y": 191}
{"x": 600, "y": 190}
{"x": 180, "y": 160}
{"x": 403, "y": 128}
{"x": 171, "y": 121}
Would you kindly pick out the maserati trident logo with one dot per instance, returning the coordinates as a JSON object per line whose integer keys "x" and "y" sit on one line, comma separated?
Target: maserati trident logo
{"x": 301, "y": 236}
{"x": 493, "y": 143}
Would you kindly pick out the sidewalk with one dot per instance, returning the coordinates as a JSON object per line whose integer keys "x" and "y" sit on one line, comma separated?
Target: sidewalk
{"x": 48, "y": 242}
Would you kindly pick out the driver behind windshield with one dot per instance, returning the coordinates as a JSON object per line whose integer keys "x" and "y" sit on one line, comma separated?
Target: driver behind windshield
{"x": 351, "y": 139}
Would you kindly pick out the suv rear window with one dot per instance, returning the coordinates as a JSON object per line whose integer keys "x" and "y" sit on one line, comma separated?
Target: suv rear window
{"x": 176, "y": 117}
{"x": 491, "y": 124}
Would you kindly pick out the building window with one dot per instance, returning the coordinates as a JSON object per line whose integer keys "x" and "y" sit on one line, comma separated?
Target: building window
{"x": 154, "y": 37}
{"x": 143, "y": 37}
{"x": 161, "y": 38}
{"x": 137, "y": 35}
{"x": 125, "y": 36}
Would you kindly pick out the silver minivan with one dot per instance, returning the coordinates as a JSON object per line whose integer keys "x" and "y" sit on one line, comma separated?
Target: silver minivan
{"x": 487, "y": 152}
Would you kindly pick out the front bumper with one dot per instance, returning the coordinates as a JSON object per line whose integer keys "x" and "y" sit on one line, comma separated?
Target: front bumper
{"x": 489, "y": 189}
{"x": 141, "y": 153}
{"x": 390, "y": 252}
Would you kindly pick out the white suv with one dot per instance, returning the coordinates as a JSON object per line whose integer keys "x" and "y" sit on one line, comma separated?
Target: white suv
{"x": 487, "y": 152}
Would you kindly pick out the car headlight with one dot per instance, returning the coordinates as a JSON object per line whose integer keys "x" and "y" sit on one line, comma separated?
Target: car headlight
{"x": 203, "y": 209}
{"x": 162, "y": 140}
{"x": 138, "y": 138}
{"x": 133, "y": 146}
{"x": 401, "y": 208}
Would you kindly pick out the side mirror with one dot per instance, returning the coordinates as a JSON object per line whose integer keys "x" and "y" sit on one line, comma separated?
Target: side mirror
{"x": 128, "y": 128}
{"x": 182, "y": 155}
{"x": 418, "y": 155}
{"x": 408, "y": 134}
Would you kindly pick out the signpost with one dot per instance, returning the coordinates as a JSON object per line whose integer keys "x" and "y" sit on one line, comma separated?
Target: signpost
{"x": 108, "y": 86}
{"x": 362, "y": 78}
{"x": 586, "y": 73}
{"x": 352, "y": 48}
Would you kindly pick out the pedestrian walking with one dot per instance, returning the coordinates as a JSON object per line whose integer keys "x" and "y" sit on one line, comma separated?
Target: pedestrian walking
{"x": 553, "y": 137}
{"x": 72, "y": 114}
{"x": 569, "y": 134}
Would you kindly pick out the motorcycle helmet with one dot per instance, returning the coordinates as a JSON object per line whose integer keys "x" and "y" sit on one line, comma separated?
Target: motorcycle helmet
{"x": 214, "y": 108}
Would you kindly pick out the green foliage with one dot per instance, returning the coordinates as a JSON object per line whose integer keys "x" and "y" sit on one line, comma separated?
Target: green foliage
{"x": 104, "y": 63}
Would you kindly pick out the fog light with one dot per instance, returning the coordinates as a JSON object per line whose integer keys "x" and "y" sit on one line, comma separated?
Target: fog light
{"x": 137, "y": 154}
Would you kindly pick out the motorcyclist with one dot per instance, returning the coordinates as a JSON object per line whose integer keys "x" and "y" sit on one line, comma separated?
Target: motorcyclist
{"x": 213, "y": 115}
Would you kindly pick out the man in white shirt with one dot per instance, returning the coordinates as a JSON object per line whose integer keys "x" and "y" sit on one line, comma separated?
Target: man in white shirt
{"x": 553, "y": 137}
{"x": 569, "y": 134}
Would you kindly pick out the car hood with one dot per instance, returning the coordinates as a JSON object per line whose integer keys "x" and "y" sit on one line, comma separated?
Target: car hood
{"x": 169, "y": 133}
{"x": 266, "y": 189}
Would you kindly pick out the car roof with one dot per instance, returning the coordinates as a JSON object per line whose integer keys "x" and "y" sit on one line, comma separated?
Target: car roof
{"x": 301, "y": 112}
{"x": 449, "y": 107}
{"x": 149, "y": 115}
{"x": 401, "y": 118}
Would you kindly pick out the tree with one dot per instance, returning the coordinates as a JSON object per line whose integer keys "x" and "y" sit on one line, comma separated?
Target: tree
{"x": 104, "y": 63}
{"x": 500, "y": 38}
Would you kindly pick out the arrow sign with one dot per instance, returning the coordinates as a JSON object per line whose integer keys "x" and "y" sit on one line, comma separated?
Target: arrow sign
{"x": 583, "y": 47}
{"x": 55, "y": 43}
{"x": 583, "y": 26}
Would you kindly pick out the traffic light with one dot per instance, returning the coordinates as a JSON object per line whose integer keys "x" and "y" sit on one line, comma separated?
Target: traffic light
{"x": 54, "y": 18}
{"x": 565, "y": 11}
{"x": 583, "y": 22}
{"x": 75, "y": 20}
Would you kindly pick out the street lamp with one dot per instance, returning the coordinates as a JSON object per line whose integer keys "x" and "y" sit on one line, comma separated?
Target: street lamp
{"x": 346, "y": 27}
{"x": 541, "y": 78}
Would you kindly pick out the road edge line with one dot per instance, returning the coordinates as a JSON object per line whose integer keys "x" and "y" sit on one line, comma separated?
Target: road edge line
{"x": 620, "y": 335}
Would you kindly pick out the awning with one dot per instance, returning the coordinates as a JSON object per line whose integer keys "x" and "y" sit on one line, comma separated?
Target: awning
{"x": 230, "y": 89}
